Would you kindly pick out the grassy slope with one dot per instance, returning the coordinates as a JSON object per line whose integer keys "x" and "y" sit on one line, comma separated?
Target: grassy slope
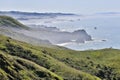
{"x": 19, "y": 51}
{"x": 102, "y": 63}
{"x": 16, "y": 68}
{"x": 13, "y": 68}
{"x": 9, "y": 21}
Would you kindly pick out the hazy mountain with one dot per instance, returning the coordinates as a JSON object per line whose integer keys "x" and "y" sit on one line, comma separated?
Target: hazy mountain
{"x": 109, "y": 13}
{"x": 58, "y": 37}
{"x": 43, "y": 35}
{"x": 34, "y": 13}
{"x": 13, "y": 28}
{"x": 31, "y": 15}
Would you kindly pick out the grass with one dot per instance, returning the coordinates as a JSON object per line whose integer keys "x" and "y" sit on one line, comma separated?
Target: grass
{"x": 9, "y": 21}
{"x": 23, "y": 61}
{"x": 105, "y": 61}
{"x": 28, "y": 62}
{"x": 13, "y": 67}
{"x": 35, "y": 56}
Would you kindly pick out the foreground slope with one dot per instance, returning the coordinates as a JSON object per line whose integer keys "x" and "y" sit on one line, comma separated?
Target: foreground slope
{"x": 26, "y": 60}
{"x": 15, "y": 68}
{"x": 69, "y": 64}
{"x": 102, "y": 63}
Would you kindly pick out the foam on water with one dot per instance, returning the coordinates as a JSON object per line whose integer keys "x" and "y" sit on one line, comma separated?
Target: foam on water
{"x": 106, "y": 33}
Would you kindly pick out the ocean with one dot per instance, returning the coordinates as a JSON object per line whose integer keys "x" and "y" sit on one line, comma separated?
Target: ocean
{"x": 105, "y": 31}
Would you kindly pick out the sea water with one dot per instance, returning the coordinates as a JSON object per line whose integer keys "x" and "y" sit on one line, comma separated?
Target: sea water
{"x": 104, "y": 30}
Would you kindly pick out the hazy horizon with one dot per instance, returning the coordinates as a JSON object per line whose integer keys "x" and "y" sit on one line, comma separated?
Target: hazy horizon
{"x": 76, "y": 6}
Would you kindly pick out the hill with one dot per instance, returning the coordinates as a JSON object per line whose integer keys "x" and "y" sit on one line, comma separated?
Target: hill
{"x": 15, "y": 68}
{"x": 10, "y": 22}
{"x": 18, "y": 59}
{"x": 69, "y": 64}
{"x": 9, "y": 13}
{"x": 13, "y": 28}
{"x": 40, "y": 36}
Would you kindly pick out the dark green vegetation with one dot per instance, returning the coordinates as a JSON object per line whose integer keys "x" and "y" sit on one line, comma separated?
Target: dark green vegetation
{"x": 26, "y": 62}
{"x": 9, "y": 21}
{"x": 22, "y": 61}
{"x": 14, "y": 67}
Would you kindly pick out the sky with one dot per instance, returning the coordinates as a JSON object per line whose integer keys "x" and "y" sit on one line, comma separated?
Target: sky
{"x": 66, "y": 6}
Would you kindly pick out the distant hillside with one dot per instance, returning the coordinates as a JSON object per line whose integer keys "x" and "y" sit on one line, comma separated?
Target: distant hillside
{"x": 19, "y": 13}
{"x": 12, "y": 28}
{"x": 110, "y": 13}
{"x": 36, "y": 13}
{"x": 10, "y": 22}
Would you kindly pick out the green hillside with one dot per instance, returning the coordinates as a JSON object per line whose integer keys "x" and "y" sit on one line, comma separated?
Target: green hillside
{"x": 30, "y": 62}
{"x": 101, "y": 63}
{"x": 11, "y": 22}
{"x": 25, "y": 60}
{"x": 15, "y": 68}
